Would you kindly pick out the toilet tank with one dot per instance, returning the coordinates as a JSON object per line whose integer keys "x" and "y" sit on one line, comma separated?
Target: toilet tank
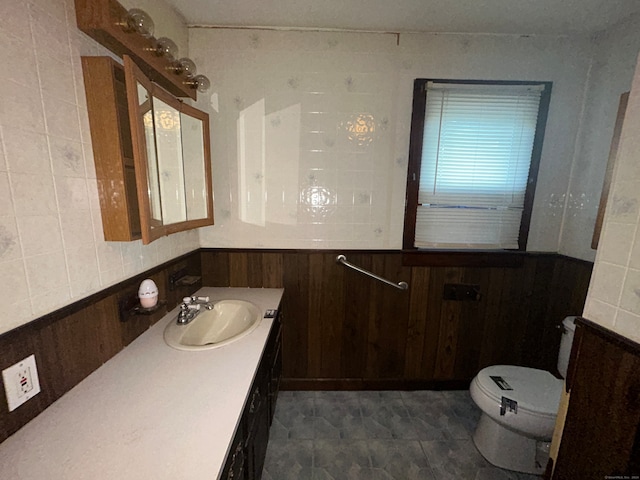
{"x": 568, "y": 329}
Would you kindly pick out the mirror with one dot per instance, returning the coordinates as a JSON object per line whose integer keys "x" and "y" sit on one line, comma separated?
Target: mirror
{"x": 146, "y": 113}
{"x": 169, "y": 159}
{"x": 193, "y": 150}
{"x": 172, "y": 158}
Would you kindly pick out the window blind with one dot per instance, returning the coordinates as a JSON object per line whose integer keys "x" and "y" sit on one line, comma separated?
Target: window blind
{"x": 476, "y": 153}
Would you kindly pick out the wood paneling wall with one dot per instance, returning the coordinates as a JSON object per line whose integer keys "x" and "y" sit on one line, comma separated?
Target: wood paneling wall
{"x": 72, "y": 342}
{"x": 342, "y": 330}
{"x": 601, "y": 437}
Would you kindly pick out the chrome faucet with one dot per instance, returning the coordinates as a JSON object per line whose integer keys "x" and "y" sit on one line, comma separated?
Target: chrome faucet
{"x": 190, "y": 308}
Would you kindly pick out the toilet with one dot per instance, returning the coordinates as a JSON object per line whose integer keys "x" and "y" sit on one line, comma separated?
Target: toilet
{"x": 519, "y": 408}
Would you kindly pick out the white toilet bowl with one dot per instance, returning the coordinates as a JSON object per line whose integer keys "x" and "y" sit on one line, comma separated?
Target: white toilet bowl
{"x": 519, "y": 408}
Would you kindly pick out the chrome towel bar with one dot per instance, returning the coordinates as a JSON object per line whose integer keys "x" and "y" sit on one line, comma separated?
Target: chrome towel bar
{"x": 343, "y": 260}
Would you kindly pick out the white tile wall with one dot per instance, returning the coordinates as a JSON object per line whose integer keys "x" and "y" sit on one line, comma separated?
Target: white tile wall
{"x": 310, "y": 130}
{"x": 610, "y": 75}
{"x": 334, "y": 112}
{"x": 52, "y": 250}
{"x": 614, "y": 293}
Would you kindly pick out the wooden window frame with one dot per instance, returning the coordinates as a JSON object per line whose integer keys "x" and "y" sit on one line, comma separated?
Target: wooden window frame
{"x": 415, "y": 157}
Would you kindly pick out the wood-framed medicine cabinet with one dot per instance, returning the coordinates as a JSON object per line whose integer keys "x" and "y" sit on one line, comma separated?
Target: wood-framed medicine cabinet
{"x": 151, "y": 151}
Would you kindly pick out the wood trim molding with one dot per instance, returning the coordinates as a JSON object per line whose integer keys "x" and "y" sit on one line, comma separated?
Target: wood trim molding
{"x": 444, "y": 258}
{"x": 415, "y": 156}
{"x": 611, "y": 336}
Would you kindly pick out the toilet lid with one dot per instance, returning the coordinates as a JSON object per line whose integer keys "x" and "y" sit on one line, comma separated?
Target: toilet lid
{"x": 536, "y": 391}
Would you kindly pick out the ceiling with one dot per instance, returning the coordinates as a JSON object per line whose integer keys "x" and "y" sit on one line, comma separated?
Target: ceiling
{"x": 459, "y": 16}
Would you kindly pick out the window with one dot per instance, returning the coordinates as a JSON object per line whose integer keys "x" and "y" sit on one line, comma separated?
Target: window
{"x": 473, "y": 163}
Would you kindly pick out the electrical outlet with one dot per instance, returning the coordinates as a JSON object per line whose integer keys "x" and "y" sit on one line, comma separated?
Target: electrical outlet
{"x": 21, "y": 382}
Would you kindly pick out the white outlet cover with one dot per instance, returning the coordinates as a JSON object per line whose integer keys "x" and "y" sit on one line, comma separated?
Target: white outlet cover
{"x": 21, "y": 382}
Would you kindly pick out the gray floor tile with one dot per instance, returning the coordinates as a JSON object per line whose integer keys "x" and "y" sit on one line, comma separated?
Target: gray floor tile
{"x": 288, "y": 460}
{"x": 347, "y": 427}
{"x": 453, "y": 459}
{"x": 422, "y": 435}
{"x": 355, "y": 473}
{"x": 294, "y": 425}
{"x": 341, "y": 455}
{"x": 402, "y": 459}
{"x": 390, "y": 427}
{"x": 431, "y": 428}
{"x": 380, "y": 394}
{"x": 383, "y": 406}
{"x": 494, "y": 473}
{"x": 336, "y": 407}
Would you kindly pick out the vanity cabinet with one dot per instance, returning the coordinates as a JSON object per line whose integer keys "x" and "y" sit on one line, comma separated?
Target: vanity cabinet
{"x": 249, "y": 446}
{"x": 151, "y": 151}
{"x": 234, "y": 467}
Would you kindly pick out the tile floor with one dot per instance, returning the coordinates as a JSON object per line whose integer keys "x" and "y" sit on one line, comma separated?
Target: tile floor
{"x": 421, "y": 435}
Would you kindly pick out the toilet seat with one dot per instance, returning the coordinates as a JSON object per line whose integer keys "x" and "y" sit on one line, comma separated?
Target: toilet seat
{"x": 536, "y": 391}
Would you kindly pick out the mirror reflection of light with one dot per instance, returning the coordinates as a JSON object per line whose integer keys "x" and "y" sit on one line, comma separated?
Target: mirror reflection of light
{"x": 268, "y": 155}
{"x": 168, "y": 120}
{"x": 251, "y": 161}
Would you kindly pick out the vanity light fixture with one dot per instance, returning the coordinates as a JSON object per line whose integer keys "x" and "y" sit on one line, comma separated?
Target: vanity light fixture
{"x": 131, "y": 32}
{"x": 139, "y": 21}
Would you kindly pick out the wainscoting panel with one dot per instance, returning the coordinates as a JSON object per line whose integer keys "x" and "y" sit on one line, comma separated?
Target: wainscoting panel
{"x": 343, "y": 330}
{"x": 72, "y": 342}
{"x": 601, "y": 437}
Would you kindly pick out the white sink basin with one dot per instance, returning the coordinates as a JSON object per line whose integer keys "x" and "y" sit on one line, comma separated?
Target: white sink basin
{"x": 227, "y": 322}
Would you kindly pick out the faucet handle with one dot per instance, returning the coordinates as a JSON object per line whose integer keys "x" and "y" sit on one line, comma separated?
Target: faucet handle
{"x": 186, "y": 300}
{"x": 202, "y": 299}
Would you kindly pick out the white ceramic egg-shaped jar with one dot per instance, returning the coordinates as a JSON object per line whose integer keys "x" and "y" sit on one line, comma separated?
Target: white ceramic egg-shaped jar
{"x": 148, "y": 293}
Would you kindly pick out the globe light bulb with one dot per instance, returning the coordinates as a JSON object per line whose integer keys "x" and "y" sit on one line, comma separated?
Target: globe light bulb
{"x": 202, "y": 83}
{"x": 186, "y": 66}
{"x": 139, "y": 21}
{"x": 165, "y": 47}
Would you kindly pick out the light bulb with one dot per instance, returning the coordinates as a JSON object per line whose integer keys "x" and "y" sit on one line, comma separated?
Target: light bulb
{"x": 185, "y": 65}
{"x": 201, "y": 83}
{"x": 166, "y": 48}
{"x": 139, "y": 21}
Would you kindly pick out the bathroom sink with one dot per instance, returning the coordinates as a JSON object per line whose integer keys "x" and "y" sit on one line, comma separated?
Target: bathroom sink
{"x": 226, "y": 322}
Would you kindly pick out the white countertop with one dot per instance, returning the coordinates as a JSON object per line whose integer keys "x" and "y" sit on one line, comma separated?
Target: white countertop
{"x": 151, "y": 412}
